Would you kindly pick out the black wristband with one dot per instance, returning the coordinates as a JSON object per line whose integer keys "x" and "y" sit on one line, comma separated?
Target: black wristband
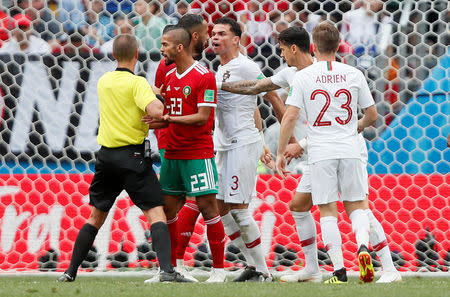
{"x": 160, "y": 98}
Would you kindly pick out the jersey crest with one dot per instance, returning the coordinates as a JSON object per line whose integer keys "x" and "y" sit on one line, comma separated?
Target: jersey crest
{"x": 226, "y": 76}
{"x": 186, "y": 91}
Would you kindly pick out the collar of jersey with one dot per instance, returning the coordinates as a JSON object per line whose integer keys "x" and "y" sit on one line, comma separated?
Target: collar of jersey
{"x": 179, "y": 76}
{"x": 124, "y": 69}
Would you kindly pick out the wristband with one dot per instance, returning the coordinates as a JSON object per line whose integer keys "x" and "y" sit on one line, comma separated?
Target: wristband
{"x": 160, "y": 97}
{"x": 303, "y": 143}
{"x": 219, "y": 84}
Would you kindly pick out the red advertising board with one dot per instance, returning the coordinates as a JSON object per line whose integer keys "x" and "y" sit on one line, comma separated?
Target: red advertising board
{"x": 46, "y": 211}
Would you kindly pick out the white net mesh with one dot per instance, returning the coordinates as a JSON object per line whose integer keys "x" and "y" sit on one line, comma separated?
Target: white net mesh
{"x": 50, "y": 121}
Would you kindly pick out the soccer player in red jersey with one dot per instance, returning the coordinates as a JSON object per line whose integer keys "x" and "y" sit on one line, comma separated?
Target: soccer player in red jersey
{"x": 189, "y": 167}
{"x": 188, "y": 214}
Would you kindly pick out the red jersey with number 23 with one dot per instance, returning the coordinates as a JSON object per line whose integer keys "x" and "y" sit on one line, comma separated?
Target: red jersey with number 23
{"x": 185, "y": 93}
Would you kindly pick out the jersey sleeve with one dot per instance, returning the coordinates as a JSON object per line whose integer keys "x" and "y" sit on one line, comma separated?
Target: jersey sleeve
{"x": 296, "y": 96}
{"x": 251, "y": 71}
{"x": 279, "y": 79}
{"x": 207, "y": 94}
{"x": 160, "y": 75}
{"x": 365, "y": 98}
{"x": 143, "y": 93}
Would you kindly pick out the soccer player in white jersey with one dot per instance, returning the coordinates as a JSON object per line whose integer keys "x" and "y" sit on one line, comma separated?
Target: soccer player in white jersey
{"x": 329, "y": 92}
{"x": 294, "y": 44}
{"x": 239, "y": 145}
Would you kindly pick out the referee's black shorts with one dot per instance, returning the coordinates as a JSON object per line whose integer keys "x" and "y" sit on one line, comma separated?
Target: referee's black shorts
{"x": 124, "y": 168}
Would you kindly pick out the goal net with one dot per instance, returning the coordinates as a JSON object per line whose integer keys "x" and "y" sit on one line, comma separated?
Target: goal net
{"x": 49, "y": 125}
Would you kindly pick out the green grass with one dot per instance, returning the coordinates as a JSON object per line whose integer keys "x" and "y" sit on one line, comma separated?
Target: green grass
{"x": 110, "y": 286}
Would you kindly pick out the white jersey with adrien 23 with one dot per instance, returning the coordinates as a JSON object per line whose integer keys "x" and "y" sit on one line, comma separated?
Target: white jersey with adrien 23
{"x": 329, "y": 92}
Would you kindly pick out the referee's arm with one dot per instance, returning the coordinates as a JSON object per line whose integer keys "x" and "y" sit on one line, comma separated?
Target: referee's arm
{"x": 155, "y": 109}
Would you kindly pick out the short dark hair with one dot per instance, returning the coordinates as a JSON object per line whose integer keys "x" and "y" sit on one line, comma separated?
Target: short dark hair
{"x": 168, "y": 28}
{"x": 234, "y": 25}
{"x": 326, "y": 37}
{"x": 190, "y": 21}
{"x": 180, "y": 35}
{"x": 125, "y": 47}
{"x": 295, "y": 35}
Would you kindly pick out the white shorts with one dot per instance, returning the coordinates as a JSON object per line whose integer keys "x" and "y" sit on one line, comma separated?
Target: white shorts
{"x": 328, "y": 177}
{"x": 365, "y": 176}
{"x": 237, "y": 173}
{"x": 304, "y": 185}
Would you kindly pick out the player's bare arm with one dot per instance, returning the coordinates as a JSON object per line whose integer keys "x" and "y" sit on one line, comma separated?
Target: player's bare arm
{"x": 155, "y": 109}
{"x": 200, "y": 118}
{"x": 266, "y": 156}
{"x": 286, "y": 131}
{"x": 277, "y": 104}
{"x": 250, "y": 87}
{"x": 369, "y": 118}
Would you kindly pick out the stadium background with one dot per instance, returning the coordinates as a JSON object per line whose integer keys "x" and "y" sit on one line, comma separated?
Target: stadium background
{"x": 50, "y": 120}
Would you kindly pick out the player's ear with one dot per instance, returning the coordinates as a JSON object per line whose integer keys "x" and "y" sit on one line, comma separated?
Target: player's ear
{"x": 293, "y": 48}
{"x": 194, "y": 36}
{"x": 236, "y": 39}
{"x": 136, "y": 54}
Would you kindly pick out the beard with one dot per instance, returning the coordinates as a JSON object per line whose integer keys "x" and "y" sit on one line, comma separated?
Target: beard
{"x": 167, "y": 61}
{"x": 198, "y": 50}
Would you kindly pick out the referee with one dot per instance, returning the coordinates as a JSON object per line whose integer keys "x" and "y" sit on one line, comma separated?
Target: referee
{"x": 123, "y": 161}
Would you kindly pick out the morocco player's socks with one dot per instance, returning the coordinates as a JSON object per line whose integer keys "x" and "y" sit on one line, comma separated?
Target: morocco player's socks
{"x": 216, "y": 238}
{"x": 187, "y": 217}
{"x": 332, "y": 240}
{"x": 172, "y": 224}
{"x": 360, "y": 226}
{"x": 252, "y": 237}
{"x": 234, "y": 233}
{"x": 379, "y": 243}
{"x": 306, "y": 229}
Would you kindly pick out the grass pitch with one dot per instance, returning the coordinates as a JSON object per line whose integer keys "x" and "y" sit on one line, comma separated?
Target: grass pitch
{"x": 134, "y": 286}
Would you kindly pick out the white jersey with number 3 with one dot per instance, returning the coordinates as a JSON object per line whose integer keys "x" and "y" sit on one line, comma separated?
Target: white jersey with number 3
{"x": 329, "y": 92}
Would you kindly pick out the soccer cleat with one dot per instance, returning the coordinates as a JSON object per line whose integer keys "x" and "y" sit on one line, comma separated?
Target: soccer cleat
{"x": 154, "y": 279}
{"x": 339, "y": 277}
{"x": 217, "y": 276}
{"x": 366, "y": 271}
{"x": 173, "y": 277}
{"x": 389, "y": 277}
{"x": 65, "y": 278}
{"x": 183, "y": 271}
{"x": 302, "y": 276}
{"x": 261, "y": 277}
{"x": 247, "y": 274}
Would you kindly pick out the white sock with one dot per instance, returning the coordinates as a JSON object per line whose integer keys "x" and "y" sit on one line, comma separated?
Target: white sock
{"x": 306, "y": 229}
{"x": 234, "y": 233}
{"x": 332, "y": 240}
{"x": 251, "y": 237}
{"x": 379, "y": 243}
{"x": 360, "y": 226}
